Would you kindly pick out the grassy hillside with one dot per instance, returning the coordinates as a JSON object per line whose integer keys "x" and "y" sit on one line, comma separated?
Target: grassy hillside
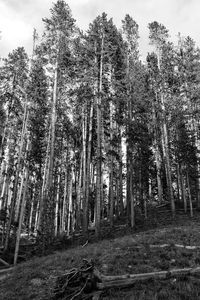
{"x": 132, "y": 253}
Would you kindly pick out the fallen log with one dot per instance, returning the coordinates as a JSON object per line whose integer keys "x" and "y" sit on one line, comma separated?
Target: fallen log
{"x": 88, "y": 282}
{"x": 122, "y": 281}
{"x": 188, "y": 247}
{"x": 163, "y": 205}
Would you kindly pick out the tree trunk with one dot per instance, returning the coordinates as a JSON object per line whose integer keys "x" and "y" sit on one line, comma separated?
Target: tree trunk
{"x": 18, "y": 202}
{"x": 21, "y": 217}
{"x": 84, "y": 158}
{"x": 183, "y": 188}
{"x": 157, "y": 156}
{"x": 63, "y": 219}
{"x": 165, "y": 141}
{"x": 132, "y": 215}
{"x": 70, "y": 207}
{"x": 57, "y": 203}
{"x": 88, "y": 164}
{"x": 111, "y": 193}
{"x": 99, "y": 146}
{"x": 46, "y": 221}
{"x": 22, "y": 140}
{"x": 121, "y": 204}
{"x": 189, "y": 194}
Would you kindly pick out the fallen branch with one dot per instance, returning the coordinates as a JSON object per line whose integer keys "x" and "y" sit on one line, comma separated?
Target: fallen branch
{"x": 6, "y": 270}
{"x": 85, "y": 244}
{"x": 4, "y": 263}
{"x": 121, "y": 281}
{"x": 162, "y": 205}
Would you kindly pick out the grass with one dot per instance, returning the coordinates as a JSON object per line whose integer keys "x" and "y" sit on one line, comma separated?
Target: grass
{"x": 35, "y": 279}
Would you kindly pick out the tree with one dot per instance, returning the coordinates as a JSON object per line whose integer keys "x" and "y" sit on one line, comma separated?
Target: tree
{"x": 56, "y": 42}
{"x": 130, "y": 30}
{"x": 13, "y": 81}
{"x": 158, "y": 37}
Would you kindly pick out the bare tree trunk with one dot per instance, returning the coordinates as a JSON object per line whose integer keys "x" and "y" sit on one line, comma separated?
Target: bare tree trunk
{"x": 44, "y": 183}
{"x": 23, "y": 134}
{"x": 46, "y": 218}
{"x": 88, "y": 164}
{"x": 70, "y": 209}
{"x": 99, "y": 146}
{"x": 31, "y": 215}
{"x": 85, "y": 205}
{"x": 79, "y": 199}
{"x": 57, "y": 203}
{"x": 165, "y": 141}
{"x": 4, "y": 168}
{"x": 157, "y": 157}
{"x": 168, "y": 167}
{"x": 18, "y": 202}
{"x": 183, "y": 188}
{"x": 21, "y": 217}
{"x": 53, "y": 124}
{"x": 132, "y": 201}
{"x": 189, "y": 194}
{"x": 63, "y": 220}
{"x": 121, "y": 204}
{"x": 178, "y": 182}
{"x": 37, "y": 214}
{"x": 197, "y": 143}
{"x": 111, "y": 194}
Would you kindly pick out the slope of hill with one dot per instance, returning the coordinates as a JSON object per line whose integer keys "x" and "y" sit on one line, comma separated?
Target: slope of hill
{"x": 164, "y": 248}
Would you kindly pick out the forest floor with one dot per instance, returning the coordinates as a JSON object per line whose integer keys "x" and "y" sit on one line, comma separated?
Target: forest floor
{"x": 35, "y": 279}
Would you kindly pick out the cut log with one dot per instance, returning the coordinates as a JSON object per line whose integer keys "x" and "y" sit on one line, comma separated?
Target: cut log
{"x": 121, "y": 281}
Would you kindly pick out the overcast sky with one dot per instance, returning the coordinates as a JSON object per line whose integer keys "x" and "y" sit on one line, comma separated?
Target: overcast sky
{"x": 19, "y": 17}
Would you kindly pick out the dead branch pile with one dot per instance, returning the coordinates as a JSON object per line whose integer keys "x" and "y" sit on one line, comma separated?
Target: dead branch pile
{"x": 77, "y": 284}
